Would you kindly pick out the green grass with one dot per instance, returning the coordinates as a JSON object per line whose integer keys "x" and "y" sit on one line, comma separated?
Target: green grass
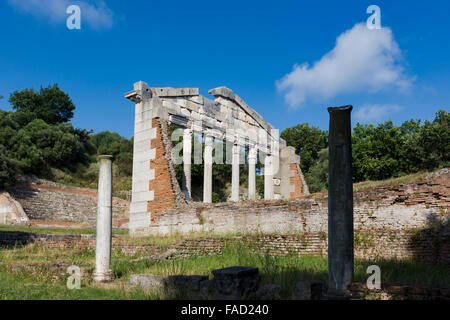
{"x": 44, "y": 282}
{"x": 407, "y": 179}
{"x": 20, "y": 288}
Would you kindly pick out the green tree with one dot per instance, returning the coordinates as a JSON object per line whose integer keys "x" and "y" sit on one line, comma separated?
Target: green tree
{"x": 435, "y": 141}
{"x": 111, "y": 143}
{"x": 50, "y": 104}
{"x": 9, "y": 168}
{"x": 39, "y": 146}
{"x": 317, "y": 176}
{"x": 307, "y": 141}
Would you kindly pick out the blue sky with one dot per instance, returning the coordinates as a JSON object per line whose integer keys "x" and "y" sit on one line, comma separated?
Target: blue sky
{"x": 399, "y": 72}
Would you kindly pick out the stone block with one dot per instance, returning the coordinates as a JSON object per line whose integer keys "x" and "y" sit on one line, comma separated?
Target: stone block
{"x": 235, "y": 283}
{"x": 309, "y": 290}
{"x": 179, "y": 286}
{"x": 268, "y": 292}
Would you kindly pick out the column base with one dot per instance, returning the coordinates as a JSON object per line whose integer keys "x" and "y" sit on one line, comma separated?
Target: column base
{"x": 105, "y": 276}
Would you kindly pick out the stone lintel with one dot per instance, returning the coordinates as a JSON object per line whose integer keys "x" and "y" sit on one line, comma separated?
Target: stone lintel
{"x": 229, "y": 94}
{"x": 174, "y": 92}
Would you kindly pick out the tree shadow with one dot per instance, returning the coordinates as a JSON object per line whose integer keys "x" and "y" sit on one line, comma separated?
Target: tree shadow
{"x": 431, "y": 244}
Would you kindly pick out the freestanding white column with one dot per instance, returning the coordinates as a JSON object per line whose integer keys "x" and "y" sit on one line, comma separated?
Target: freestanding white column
{"x": 103, "y": 271}
{"x": 268, "y": 177}
{"x": 207, "y": 172}
{"x": 252, "y": 173}
{"x": 187, "y": 152}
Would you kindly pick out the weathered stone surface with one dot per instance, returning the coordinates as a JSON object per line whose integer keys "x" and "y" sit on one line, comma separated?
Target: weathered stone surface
{"x": 178, "y": 286}
{"x": 235, "y": 283}
{"x": 309, "y": 290}
{"x": 268, "y": 292}
{"x": 45, "y": 200}
{"x": 148, "y": 281}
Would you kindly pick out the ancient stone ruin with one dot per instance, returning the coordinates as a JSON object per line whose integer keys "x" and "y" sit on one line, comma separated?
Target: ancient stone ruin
{"x": 226, "y": 119}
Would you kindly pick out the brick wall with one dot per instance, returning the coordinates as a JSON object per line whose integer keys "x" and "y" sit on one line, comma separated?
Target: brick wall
{"x": 426, "y": 245}
{"x": 388, "y": 244}
{"x": 296, "y": 181}
{"x": 162, "y": 186}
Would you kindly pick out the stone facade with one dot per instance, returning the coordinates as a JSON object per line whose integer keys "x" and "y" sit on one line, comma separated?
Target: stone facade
{"x": 227, "y": 118}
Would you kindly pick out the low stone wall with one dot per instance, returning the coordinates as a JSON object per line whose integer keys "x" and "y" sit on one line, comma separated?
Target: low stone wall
{"x": 402, "y": 207}
{"x": 51, "y": 201}
{"x": 11, "y": 238}
{"x": 427, "y": 245}
{"x": 430, "y": 245}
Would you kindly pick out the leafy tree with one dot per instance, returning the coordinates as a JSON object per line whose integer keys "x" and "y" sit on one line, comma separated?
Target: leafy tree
{"x": 50, "y": 104}
{"x": 9, "y": 168}
{"x": 307, "y": 141}
{"x": 39, "y": 145}
{"x": 317, "y": 176}
{"x": 435, "y": 141}
{"x": 111, "y": 143}
{"x": 376, "y": 151}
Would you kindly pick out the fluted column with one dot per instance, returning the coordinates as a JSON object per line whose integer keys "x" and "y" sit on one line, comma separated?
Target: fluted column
{"x": 235, "y": 174}
{"x": 207, "y": 173}
{"x": 102, "y": 271}
{"x": 187, "y": 153}
{"x": 268, "y": 177}
{"x": 252, "y": 173}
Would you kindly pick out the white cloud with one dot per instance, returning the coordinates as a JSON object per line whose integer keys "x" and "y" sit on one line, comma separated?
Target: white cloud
{"x": 95, "y": 13}
{"x": 362, "y": 60}
{"x": 375, "y": 112}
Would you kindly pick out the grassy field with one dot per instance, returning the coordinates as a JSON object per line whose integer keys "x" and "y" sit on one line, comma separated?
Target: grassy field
{"x": 42, "y": 281}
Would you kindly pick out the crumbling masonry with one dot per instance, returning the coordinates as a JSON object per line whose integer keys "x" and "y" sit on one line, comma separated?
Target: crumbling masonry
{"x": 227, "y": 118}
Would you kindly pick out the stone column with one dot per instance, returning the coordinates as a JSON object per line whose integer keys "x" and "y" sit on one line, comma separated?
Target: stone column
{"x": 187, "y": 153}
{"x": 103, "y": 271}
{"x": 340, "y": 202}
{"x": 268, "y": 177}
{"x": 252, "y": 153}
{"x": 235, "y": 174}
{"x": 207, "y": 173}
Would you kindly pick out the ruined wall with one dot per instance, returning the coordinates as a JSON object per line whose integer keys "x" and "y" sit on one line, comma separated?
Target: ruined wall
{"x": 52, "y": 201}
{"x": 167, "y": 193}
{"x": 423, "y": 245}
{"x": 400, "y": 207}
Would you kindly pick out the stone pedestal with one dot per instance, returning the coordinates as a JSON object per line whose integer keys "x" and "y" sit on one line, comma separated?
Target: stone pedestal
{"x": 102, "y": 271}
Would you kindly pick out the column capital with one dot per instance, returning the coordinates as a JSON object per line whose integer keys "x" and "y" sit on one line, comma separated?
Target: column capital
{"x": 187, "y": 131}
{"x": 252, "y": 152}
{"x": 209, "y": 139}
